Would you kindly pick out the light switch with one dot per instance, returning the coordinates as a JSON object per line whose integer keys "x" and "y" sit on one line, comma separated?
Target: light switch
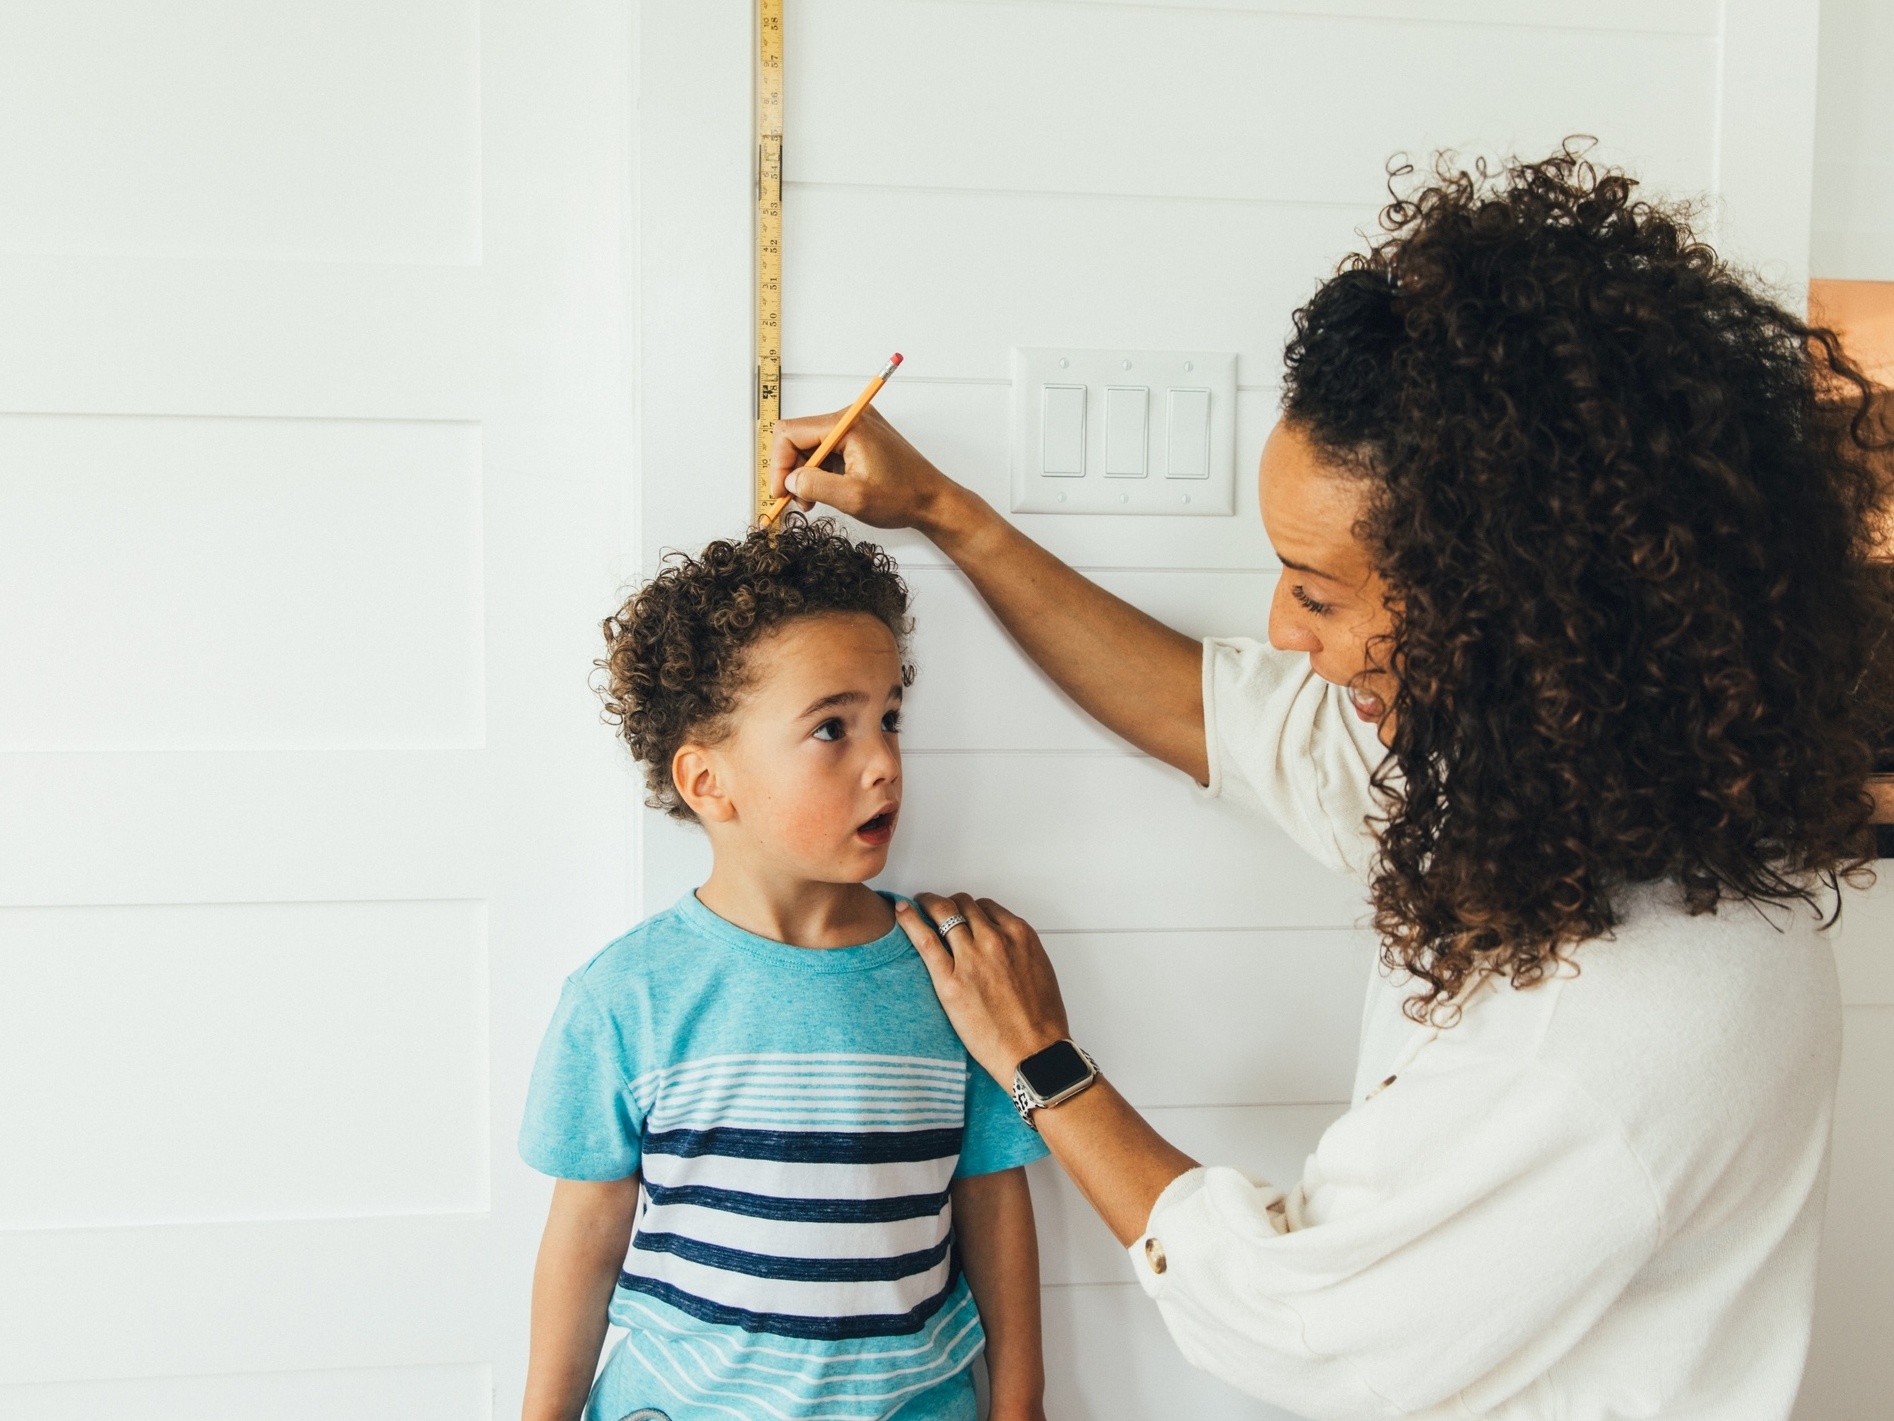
{"x": 1062, "y": 431}
{"x": 1187, "y": 443}
{"x": 1127, "y": 422}
{"x": 1123, "y": 432}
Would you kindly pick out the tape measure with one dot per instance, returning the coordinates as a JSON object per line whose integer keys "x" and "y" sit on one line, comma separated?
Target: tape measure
{"x": 769, "y": 235}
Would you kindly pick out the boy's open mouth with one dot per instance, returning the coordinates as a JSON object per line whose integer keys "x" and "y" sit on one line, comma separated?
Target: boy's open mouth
{"x": 880, "y": 829}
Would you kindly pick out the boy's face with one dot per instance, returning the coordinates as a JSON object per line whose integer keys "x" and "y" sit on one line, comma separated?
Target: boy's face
{"x": 809, "y": 777}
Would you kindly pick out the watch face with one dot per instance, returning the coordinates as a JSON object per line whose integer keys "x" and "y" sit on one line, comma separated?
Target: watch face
{"x": 1057, "y": 1068}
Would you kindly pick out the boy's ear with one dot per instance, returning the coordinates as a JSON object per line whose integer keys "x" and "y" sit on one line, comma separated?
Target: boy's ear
{"x": 695, "y": 772}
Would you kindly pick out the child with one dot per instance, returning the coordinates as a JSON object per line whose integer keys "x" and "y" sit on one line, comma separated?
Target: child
{"x": 832, "y": 1200}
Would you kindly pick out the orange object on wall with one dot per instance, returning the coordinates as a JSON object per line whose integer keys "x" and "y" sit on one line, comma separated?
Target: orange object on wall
{"x": 1862, "y": 314}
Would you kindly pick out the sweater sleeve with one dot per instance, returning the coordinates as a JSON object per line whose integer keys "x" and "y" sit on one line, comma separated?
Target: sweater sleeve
{"x": 1281, "y": 739}
{"x": 1453, "y": 1237}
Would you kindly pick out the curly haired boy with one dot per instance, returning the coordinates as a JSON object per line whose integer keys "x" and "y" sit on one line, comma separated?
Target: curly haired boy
{"x": 778, "y": 1168}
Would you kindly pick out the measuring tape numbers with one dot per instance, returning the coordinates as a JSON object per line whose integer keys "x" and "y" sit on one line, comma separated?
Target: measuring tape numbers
{"x": 769, "y": 236}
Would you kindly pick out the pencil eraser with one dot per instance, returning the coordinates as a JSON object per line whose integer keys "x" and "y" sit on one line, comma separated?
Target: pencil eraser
{"x": 897, "y": 358}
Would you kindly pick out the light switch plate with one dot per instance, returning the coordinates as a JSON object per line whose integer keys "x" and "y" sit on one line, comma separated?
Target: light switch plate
{"x": 1192, "y": 474}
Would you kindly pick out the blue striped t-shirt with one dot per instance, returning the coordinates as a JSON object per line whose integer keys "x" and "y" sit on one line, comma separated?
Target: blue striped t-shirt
{"x": 796, "y": 1115}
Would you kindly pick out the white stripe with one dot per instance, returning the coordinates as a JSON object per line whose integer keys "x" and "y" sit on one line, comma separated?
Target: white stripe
{"x": 819, "y": 1071}
{"x": 798, "y": 1299}
{"x": 794, "y": 1179}
{"x": 796, "y": 1239}
{"x": 860, "y": 1120}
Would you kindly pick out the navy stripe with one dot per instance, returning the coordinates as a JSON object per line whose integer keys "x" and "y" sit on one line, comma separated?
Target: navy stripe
{"x": 784, "y": 1324}
{"x": 801, "y": 1211}
{"x": 794, "y": 1270}
{"x": 808, "y": 1146}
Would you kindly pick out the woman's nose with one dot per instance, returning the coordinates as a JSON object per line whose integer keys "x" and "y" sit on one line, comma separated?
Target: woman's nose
{"x": 1289, "y": 629}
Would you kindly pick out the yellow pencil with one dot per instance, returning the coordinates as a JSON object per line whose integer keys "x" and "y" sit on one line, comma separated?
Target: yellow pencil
{"x": 834, "y": 436}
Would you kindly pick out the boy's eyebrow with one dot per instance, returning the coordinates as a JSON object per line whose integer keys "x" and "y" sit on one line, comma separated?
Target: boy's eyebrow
{"x": 843, "y": 698}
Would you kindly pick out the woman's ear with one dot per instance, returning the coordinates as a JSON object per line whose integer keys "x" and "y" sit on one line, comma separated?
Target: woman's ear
{"x": 701, "y": 784}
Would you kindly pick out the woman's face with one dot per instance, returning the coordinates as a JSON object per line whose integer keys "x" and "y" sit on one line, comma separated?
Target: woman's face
{"x": 1330, "y": 601}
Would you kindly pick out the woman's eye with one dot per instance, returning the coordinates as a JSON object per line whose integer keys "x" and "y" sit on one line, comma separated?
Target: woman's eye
{"x": 830, "y": 729}
{"x": 891, "y": 722}
{"x": 1307, "y": 602}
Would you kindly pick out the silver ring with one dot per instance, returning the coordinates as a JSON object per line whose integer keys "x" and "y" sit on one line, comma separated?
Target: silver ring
{"x": 948, "y": 924}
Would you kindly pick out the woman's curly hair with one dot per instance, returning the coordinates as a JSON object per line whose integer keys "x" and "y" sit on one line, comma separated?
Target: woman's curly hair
{"x": 1625, "y": 506}
{"x": 676, "y": 653}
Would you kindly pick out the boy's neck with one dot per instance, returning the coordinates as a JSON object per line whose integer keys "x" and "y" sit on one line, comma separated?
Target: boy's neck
{"x": 797, "y": 911}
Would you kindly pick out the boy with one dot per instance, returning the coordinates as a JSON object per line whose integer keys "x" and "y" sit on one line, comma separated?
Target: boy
{"x": 827, "y": 1193}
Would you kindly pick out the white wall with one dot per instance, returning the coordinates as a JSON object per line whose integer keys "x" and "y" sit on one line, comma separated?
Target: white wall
{"x": 315, "y": 379}
{"x": 1853, "y": 238}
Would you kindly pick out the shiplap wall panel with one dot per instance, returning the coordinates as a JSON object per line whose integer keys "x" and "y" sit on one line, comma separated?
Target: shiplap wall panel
{"x": 1853, "y": 229}
{"x": 962, "y": 427}
{"x": 318, "y": 130}
{"x": 1684, "y": 17}
{"x": 295, "y": 1295}
{"x": 1851, "y": 1368}
{"x": 1269, "y": 1142}
{"x": 1219, "y": 1018}
{"x": 242, "y": 1061}
{"x": 1864, "y": 943}
{"x": 976, "y": 690}
{"x": 150, "y": 335}
{"x": 1215, "y": 103}
{"x": 239, "y": 584}
{"x": 1109, "y": 1358}
{"x": 1105, "y": 842}
{"x": 956, "y": 279}
{"x": 449, "y": 1393}
{"x": 223, "y": 826}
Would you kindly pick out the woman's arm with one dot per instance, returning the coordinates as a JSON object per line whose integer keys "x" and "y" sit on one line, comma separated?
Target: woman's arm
{"x": 998, "y": 988}
{"x": 587, "y": 1231}
{"x": 1127, "y": 670}
{"x": 1000, "y": 1251}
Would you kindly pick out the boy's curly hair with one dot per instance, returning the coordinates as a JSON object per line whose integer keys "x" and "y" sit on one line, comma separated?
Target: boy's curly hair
{"x": 675, "y": 653}
{"x": 1626, "y": 506}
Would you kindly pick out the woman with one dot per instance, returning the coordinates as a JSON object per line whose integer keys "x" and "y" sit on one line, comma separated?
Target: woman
{"x": 1575, "y": 659}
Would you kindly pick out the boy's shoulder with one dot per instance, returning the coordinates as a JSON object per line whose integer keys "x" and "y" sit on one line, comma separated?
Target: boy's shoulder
{"x": 650, "y": 947}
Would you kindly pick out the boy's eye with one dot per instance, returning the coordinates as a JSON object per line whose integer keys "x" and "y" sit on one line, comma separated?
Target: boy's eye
{"x": 1307, "y": 602}
{"x": 891, "y": 722}
{"x": 830, "y": 729}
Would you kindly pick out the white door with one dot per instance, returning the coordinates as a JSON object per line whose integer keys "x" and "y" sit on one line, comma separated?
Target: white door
{"x": 315, "y": 400}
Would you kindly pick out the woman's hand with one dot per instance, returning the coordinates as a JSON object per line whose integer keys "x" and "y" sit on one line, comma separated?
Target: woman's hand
{"x": 996, "y": 983}
{"x": 875, "y": 476}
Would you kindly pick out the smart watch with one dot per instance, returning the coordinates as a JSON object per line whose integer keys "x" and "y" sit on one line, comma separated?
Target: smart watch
{"x": 1047, "y": 1077}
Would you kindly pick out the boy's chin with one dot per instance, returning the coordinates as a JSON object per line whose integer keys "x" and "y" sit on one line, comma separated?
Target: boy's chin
{"x": 858, "y": 867}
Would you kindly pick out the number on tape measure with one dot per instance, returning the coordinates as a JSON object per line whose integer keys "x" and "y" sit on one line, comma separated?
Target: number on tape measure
{"x": 769, "y": 235}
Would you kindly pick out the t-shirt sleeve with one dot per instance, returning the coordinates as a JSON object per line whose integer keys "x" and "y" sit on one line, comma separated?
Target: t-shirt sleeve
{"x": 581, "y": 1120}
{"x": 1282, "y": 740}
{"x": 995, "y": 1138}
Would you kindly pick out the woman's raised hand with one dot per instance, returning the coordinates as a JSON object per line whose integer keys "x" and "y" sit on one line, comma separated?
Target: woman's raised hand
{"x": 993, "y": 979}
{"x": 875, "y": 475}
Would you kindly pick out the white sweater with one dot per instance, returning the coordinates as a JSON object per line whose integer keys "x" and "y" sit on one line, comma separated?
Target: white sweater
{"x": 1595, "y": 1198}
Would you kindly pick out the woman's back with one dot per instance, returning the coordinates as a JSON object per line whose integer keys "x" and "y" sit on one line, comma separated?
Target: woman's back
{"x": 1696, "y": 1055}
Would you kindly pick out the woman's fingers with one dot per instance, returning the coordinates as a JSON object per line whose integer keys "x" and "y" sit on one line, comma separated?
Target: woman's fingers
{"x": 992, "y": 977}
{"x": 880, "y": 478}
{"x": 936, "y": 958}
